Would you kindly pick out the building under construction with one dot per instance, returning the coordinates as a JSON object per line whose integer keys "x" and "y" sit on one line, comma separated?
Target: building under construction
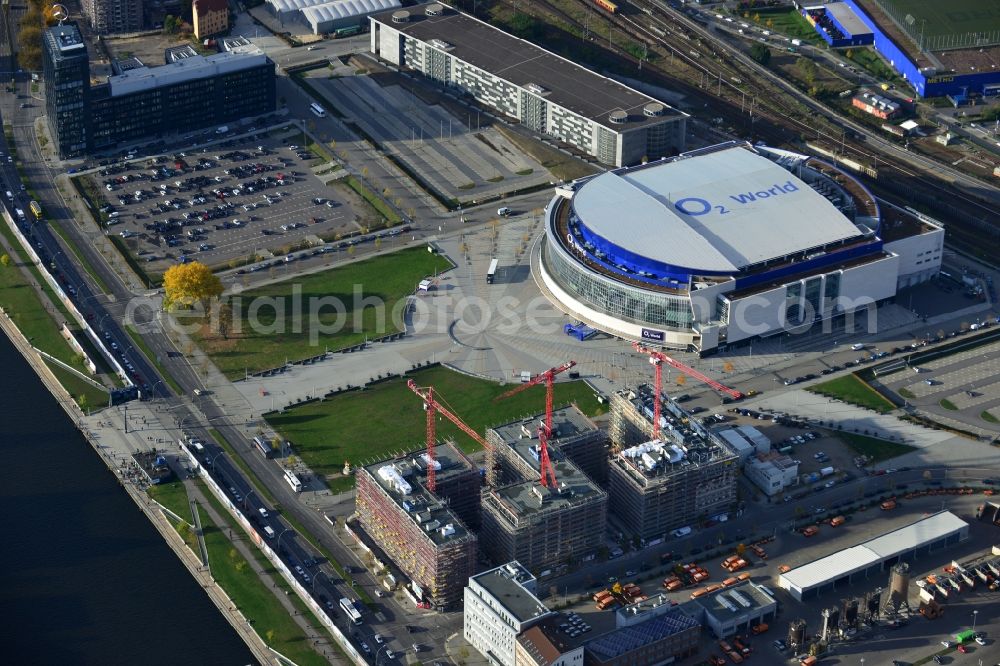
{"x": 542, "y": 527}
{"x": 573, "y": 434}
{"x": 423, "y": 533}
{"x": 656, "y": 485}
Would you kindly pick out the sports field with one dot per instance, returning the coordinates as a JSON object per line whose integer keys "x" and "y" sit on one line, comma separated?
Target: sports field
{"x": 933, "y": 18}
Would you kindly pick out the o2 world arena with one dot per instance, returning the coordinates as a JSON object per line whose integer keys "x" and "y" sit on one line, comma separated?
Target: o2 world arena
{"x": 727, "y": 243}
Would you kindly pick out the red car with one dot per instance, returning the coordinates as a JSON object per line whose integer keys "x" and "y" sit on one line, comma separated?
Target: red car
{"x": 963, "y": 649}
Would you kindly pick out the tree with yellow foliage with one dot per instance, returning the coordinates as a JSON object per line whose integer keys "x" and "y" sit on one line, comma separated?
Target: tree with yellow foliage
{"x": 187, "y": 284}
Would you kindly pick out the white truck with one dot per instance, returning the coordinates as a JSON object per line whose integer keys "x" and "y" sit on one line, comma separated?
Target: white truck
{"x": 222, "y": 129}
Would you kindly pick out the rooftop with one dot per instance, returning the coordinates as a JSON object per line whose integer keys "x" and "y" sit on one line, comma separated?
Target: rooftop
{"x": 714, "y": 210}
{"x": 856, "y": 558}
{"x": 626, "y": 639}
{"x": 194, "y": 67}
{"x": 544, "y": 642}
{"x": 342, "y": 9}
{"x": 529, "y": 498}
{"x": 847, "y": 18}
{"x": 507, "y": 584}
{"x": 735, "y": 601}
{"x": 521, "y": 63}
{"x": 522, "y": 435}
{"x": 403, "y": 478}
{"x": 211, "y": 5}
{"x": 67, "y": 40}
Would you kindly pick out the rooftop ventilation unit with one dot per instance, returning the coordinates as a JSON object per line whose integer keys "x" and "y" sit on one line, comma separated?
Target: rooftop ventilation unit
{"x": 740, "y": 599}
{"x": 654, "y": 109}
{"x": 402, "y": 16}
{"x": 618, "y": 117}
{"x": 441, "y": 44}
{"x": 535, "y": 88}
{"x": 434, "y": 9}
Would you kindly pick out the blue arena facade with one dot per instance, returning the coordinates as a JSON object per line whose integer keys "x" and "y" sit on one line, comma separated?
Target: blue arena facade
{"x": 955, "y": 73}
{"x": 724, "y": 243}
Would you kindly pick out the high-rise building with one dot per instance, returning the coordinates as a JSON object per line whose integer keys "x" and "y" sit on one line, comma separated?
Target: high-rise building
{"x": 108, "y": 17}
{"x": 66, "y": 74}
{"x": 140, "y": 102}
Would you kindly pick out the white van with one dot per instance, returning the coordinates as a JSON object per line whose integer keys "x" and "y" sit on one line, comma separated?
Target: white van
{"x": 681, "y": 531}
{"x": 857, "y": 347}
{"x": 269, "y": 531}
{"x": 504, "y": 212}
{"x": 263, "y": 512}
{"x": 10, "y": 195}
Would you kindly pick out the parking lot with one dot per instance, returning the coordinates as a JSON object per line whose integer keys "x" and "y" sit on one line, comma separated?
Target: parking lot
{"x": 226, "y": 202}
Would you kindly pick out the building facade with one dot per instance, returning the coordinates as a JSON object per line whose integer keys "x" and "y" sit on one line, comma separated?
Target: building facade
{"x": 210, "y": 17}
{"x": 542, "y": 91}
{"x": 499, "y": 605}
{"x": 144, "y": 102}
{"x": 108, "y": 17}
{"x": 417, "y": 529}
{"x": 544, "y": 645}
{"x": 650, "y": 636}
{"x": 657, "y": 485}
{"x": 772, "y": 473}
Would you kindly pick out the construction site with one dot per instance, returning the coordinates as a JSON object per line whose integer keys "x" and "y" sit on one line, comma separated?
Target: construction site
{"x": 422, "y": 531}
{"x": 668, "y": 470}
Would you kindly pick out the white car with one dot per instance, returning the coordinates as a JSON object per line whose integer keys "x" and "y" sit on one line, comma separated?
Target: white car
{"x": 946, "y": 644}
{"x": 980, "y": 640}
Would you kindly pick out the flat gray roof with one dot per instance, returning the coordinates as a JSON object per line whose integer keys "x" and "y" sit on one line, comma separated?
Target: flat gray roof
{"x": 522, "y": 63}
{"x": 847, "y": 18}
{"x": 505, "y": 585}
{"x": 724, "y": 604}
{"x": 67, "y": 39}
{"x": 523, "y": 434}
{"x": 187, "y": 69}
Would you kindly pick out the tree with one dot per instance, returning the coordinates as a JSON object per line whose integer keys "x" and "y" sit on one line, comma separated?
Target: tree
{"x": 183, "y": 529}
{"x": 727, "y": 367}
{"x": 171, "y": 24}
{"x": 5, "y": 260}
{"x": 83, "y": 403}
{"x": 807, "y": 68}
{"x": 616, "y": 588}
{"x": 224, "y": 321}
{"x": 187, "y": 284}
{"x": 681, "y": 380}
{"x": 276, "y": 443}
{"x": 760, "y": 53}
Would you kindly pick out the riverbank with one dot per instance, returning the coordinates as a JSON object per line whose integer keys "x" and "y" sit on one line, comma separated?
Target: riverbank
{"x": 150, "y": 508}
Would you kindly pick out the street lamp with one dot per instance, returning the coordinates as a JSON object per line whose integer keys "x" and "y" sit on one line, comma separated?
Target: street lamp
{"x": 277, "y": 541}
{"x": 216, "y": 458}
{"x": 379, "y": 652}
{"x": 975, "y": 615}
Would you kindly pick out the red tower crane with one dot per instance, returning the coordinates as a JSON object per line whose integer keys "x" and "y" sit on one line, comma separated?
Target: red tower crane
{"x": 658, "y": 358}
{"x": 545, "y": 432}
{"x": 433, "y": 407}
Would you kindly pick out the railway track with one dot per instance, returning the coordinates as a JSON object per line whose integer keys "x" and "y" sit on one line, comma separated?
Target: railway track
{"x": 724, "y": 80}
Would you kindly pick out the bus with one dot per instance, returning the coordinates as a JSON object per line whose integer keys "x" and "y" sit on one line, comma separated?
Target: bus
{"x": 263, "y": 447}
{"x": 317, "y": 109}
{"x": 492, "y": 273}
{"x": 348, "y": 31}
{"x": 36, "y": 208}
{"x": 293, "y": 480}
{"x": 348, "y": 607}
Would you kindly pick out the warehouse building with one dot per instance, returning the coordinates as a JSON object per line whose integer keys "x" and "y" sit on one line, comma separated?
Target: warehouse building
{"x": 139, "y": 102}
{"x": 544, "y": 528}
{"x": 421, "y": 532}
{"x": 746, "y": 441}
{"x": 875, "y": 556}
{"x": 734, "y": 610}
{"x": 772, "y": 472}
{"x": 544, "y": 92}
{"x": 573, "y": 434}
{"x": 329, "y": 16}
{"x": 657, "y": 485}
{"x": 499, "y": 605}
{"x": 727, "y": 243}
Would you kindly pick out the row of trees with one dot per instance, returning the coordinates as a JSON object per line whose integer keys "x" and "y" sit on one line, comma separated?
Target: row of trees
{"x": 29, "y": 34}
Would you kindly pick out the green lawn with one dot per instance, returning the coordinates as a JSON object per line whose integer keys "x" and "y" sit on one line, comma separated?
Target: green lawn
{"x": 254, "y": 599}
{"x": 373, "y": 200}
{"x": 267, "y": 340}
{"x": 988, "y": 417}
{"x": 174, "y": 496}
{"x": 787, "y": 22}
{"x": 850, "y": 388}
{"x": 948, "y": 404}
{"x": 87, "y": 396}
{"x": 872, "y": 62}
{"x": 876, "y": 449}
{"x": 361, "y": 425}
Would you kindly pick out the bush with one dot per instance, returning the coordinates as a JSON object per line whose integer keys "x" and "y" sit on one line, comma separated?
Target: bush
{"x": 760, "y": 53}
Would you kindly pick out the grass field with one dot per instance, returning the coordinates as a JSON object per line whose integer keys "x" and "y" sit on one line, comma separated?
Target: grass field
{"x": 362, "y": 425}
{"x": 935, "y": 17}
{"x": 988, "y": 417}
{"x": 274, "y": 339}
{"x": 851, "y": 389}
{"x": 873, "y": 63}
{"x": 173, "y": 496}
{"x": 948, "y": 404}
{"x": 877, "y": 450}
{"x": 786, "y": 21}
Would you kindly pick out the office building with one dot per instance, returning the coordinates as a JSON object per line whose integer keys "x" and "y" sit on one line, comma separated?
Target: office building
{"x": 138, "y": 103}
{"x": 545, "y": 645}
{"x": 499, "y": 605}
{"x": 772, "y": 472}
{"x": 745, "y": 441}
{"x": 545, "y": 528}
{"x": 418, "y": 530}
{"x": 735, "y": 610}
{"x": 657, "y": 485}
{"x": 110, "y": 17}
{"x": 210, "y": 17}
{"x": 648, "y": 633}
{"x": 545, "y": 93}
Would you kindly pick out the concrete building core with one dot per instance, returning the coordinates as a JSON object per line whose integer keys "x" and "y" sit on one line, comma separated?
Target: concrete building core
{"x": 423, "y": 533}
{"x": 545, "y": 529}
{"x": 655, "y": 486}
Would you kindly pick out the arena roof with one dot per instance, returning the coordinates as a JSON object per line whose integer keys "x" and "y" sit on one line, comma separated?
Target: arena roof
{"x": 716, "y": 211}
{"x": 344, "y": 9}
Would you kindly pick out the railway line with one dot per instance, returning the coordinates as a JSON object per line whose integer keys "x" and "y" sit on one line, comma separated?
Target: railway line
{"x": 755, "y": 103}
